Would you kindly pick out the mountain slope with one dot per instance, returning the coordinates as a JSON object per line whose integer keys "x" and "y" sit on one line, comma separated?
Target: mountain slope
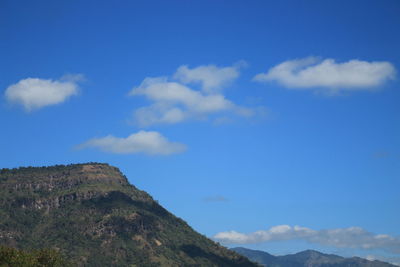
{"x": 257, "y": 255}
{"x": 308, "y": 258}
{"x": 94, "y": 216}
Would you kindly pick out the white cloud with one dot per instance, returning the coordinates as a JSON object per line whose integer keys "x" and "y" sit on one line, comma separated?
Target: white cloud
{"x": 211, "y": 77}
{"x": 159, "y": 114}
{"x": 34, "y": 93}
{"x": 174, "y": 102}
{"x": 147, "y": 142}
{"x": 160, "y": 90}
{"x": 327, "y": 74}
{"x": 352, "y": 237}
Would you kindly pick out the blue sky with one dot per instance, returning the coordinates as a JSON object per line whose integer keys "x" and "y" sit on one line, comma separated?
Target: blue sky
{"x": 235, "y": 115}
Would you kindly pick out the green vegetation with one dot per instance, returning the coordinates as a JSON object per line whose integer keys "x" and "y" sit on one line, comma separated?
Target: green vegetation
{"x": 11, "y": 257}
{"x": 91, "y": 214}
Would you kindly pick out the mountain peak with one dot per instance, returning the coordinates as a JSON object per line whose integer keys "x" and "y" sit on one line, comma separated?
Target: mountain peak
{"x": 93, "y": 215}
{"x": 311, "y": 253}
{"x": 62, "y": 176}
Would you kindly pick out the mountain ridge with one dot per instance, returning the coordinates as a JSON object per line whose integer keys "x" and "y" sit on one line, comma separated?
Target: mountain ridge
{"x": 92, "y": 214}
{"x": 307, "y": 258}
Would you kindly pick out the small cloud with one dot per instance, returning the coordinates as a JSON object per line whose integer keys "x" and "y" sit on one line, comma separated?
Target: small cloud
{"x": 211, "y": 78}
{"x": 352, "y": 237}
{"x": 328, "y": 75}
{"x": 215, "y": 199}
{"x": 146, "y": 142}
{"x": 73, "y": 77}
{"x": 159, "y": 113}
{"x": 381, "y": 154}
{"x": 35, "y": 93}
{"x": 174, "y": 102}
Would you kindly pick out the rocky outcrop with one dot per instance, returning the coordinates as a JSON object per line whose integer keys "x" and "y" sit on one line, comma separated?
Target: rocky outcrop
{"x": 55, "y": 202}
{"x": 90, "y": 213}
{"x": 50, "y": 179}
{"x": 48, "y": 188}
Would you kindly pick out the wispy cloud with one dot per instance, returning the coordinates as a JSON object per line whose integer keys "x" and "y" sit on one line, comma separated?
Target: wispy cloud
{"x": 175, "y": 102}
{"x": 352, "y": 237}
{"x": 216, "y": 198}
{"x": 146, "y": 142}
{"x": 381, "y": 154}
{"x": 35, "y": 93}
{"x": 326, "y": 74}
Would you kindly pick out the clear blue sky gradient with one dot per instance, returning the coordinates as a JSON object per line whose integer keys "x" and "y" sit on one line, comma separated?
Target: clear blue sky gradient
{"x": 312, "y": 161}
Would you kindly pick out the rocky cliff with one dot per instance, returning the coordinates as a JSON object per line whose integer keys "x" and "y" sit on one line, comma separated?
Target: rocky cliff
{"x": 91, "y": 214}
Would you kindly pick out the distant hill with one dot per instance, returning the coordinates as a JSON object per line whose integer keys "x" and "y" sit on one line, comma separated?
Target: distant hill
{"x": 308, "y": 258}
{"x": 93, "y": 216}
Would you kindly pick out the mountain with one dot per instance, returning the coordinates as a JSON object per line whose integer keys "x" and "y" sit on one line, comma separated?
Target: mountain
{"x": 308, "y": 258}
{"x": 93, "y": 216}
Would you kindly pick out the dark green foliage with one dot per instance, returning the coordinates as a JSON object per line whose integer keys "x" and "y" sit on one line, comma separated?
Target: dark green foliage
{"x": 11, "y": 257}
{"x": 91, "y": 214}
{"x": 308, "y": 258}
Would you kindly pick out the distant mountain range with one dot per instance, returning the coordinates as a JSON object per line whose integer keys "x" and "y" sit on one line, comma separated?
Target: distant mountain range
{"x": 307, "y": 258}
{"x": 93, "y": 216}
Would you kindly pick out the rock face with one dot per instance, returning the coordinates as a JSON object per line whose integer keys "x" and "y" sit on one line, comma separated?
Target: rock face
{"x": 307, "y": 258}
{"x": 94, "y": 216}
